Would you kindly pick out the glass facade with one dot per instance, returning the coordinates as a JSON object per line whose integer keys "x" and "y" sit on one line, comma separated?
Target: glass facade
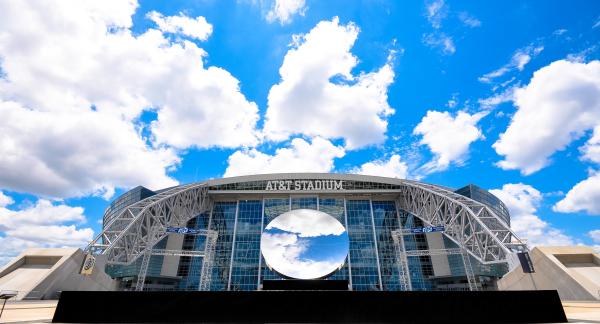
{"x": 371, "y": 264}
{"x": 485, "y": 197}
{"x": 132, "y": 196}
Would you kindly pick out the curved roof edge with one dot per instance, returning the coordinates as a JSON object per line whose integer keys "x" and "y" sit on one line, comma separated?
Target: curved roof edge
{"x": 312, "y": 175}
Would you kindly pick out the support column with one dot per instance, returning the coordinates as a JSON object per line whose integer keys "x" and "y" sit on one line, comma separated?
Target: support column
{"x": 348, "y": 231}
{"x": 141, "y": 279}
{"x": 376, "y": 248}
{"x": 237, "y": 210}
{"x": 262, "y": 226}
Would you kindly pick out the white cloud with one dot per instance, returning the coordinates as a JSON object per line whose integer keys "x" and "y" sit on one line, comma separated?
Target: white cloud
{"x": 522, "y": 202}
{"x": 518, "y": 61}
{"x": 595, "y": 235}
{"x": 469, "y": 20}
{"x": 448, "y": 137}
{"x": 597, "y": 23}
{"x": 436, "y": 13}
{"x": 43, "y": 224}
{"x": 5, "y": 200}
{"x": 290, "y": 238}
{"x": 560, "y": 103}
{"x": 283, "y": 253}
{"x": 78, "y": 72}
{"x": 197, "y": 28}
{"x": 559, "y": 32}
{"x": 62, "y": 154}
{"x": 440, "y": 41}
{"x": 392, "y": 168}
{"x": 506, "y": 95}
{"x": 284, "y": 10}
{"x": 591, "y": 149}
{"x": 300, "y": 156}
{"x": 307, "y": 101}
{"x": 307, "y": 223}
{"x": 584, "y": 196}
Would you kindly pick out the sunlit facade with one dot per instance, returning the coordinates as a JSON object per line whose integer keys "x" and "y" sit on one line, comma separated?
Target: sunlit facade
{"x": 388, "y": 247}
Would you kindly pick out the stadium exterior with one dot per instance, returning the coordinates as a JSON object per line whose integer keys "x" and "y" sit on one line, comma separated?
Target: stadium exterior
{"x": 404, "y": 235}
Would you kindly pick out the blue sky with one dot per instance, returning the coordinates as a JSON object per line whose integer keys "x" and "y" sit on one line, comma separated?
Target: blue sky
{"x": 98, "y": 97}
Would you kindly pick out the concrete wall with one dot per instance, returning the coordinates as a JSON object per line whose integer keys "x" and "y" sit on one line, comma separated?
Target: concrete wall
{"x": 441, "y": 266}
{"x": 171, "y": 262}
{"x": 573, "y": 279}
{"x": 43, "y": 273}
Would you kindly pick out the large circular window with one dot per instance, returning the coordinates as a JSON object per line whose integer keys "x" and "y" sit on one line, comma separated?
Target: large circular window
{"x": 304, "y": 244}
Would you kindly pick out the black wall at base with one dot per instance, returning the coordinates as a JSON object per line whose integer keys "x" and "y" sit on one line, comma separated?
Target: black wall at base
{"x": 310, "y": 306}
{"x": 296, "y": 284}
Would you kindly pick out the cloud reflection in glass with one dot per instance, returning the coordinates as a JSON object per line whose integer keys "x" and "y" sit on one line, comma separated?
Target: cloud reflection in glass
{"x": 304, "y": 244}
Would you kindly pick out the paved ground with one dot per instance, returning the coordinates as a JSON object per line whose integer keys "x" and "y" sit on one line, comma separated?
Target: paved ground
{"x": 34, "y": 311}
{"x": 43, "y": 310}
{"x": 582, "y": 312}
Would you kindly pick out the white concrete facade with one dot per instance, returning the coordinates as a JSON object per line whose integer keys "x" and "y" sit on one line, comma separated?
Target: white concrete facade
{"x": 574, "y": 271}
{"x": 42, "y": 273}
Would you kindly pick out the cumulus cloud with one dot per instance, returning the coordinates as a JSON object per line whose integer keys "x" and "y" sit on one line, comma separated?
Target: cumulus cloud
{"x": 518, "y": 61}
{"x": 591, "y": 149}
{"x": 283, "y": 253}
{"x": 522, "y": 202}
{"x": 299, "y": 156}
{"x": 561, "y": 102}
{"x": 284, "y": 10}
{"x": 448, "y": 137}
{"x": 319, "y": 96}
{"x": 197, "y": 28}
{"x": 307, "y": 223}
{"x": 78, "y": 65}
{"x": 595, "y": 235}
{"x": 5, "y": 200}
{"x": 64, "y": 154}
{"x": 394, "y": 167}
{"x": 304, "y": 244}
{"x": 584, "y": 196}
{"x": 43, "y": 224}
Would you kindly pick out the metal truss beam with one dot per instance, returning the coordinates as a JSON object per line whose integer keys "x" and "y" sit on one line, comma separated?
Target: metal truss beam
{"x": 402, "y": 258}
{"x": 468, "y": 223}
{"x": 140, "y": 226}
{"x": 207, "y": 260}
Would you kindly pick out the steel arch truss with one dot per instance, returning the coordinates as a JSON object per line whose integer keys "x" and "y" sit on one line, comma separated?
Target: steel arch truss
{"x": 140, "y": 226}
{"x": 470, "y": 224}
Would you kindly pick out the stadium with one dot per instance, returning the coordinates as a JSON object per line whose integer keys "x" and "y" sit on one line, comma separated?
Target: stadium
{"x": 403, "y": 235}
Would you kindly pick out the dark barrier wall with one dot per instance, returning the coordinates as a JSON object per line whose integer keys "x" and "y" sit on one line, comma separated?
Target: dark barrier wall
{"x": 311, "y": 306}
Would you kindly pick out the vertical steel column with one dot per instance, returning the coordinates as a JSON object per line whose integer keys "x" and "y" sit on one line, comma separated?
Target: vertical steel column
{"x": 401, "y": 257}
{"x": 402, "y": 260}
{"x": 206, "y": 261}
{"x": 141, "y": 279}
{"x": 347, "y": 230}
{"x": 376, "y": 248}
{"x": 469, "y": 270}
{"x": 237, "y": 210}
{"x": 262, "y": 226}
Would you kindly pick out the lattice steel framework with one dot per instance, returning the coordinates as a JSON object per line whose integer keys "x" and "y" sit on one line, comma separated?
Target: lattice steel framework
{"x": 141, "y": 225}
{"x": 207, "y": 260}
{"x": 468, "y": 223}
{"x": 402, "y": 259}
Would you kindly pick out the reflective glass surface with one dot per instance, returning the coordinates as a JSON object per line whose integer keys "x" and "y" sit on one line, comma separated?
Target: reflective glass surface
{"x": 305, "y": 244}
